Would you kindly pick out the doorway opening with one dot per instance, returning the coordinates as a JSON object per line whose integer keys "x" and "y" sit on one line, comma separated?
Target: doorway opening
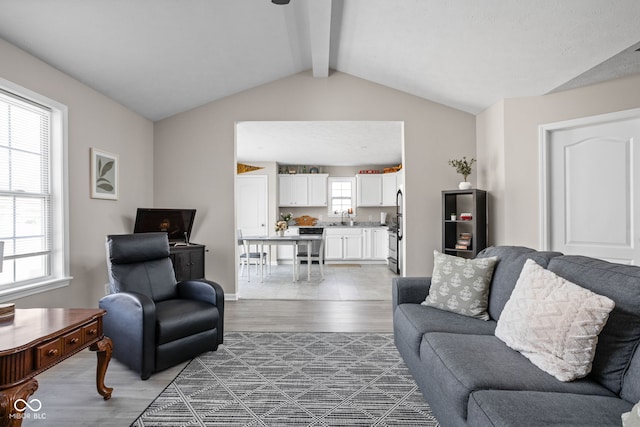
{"x": 318, "y": 149}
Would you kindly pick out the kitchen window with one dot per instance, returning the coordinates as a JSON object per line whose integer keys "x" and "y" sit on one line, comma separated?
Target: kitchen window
{"x": 33, "y": 209}
{"x": 342, "y": 195}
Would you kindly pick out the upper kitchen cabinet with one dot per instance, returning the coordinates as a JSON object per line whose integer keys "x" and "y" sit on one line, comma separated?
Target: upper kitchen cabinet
{"x": 297, "y": 190}
{"x": 377, "y": 189}
{"x": 317, "y": 189}
{"x": 389, "y": 189}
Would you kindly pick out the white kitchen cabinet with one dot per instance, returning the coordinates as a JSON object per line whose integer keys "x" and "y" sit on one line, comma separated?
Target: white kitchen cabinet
{"x": 369, "y": 190}
{"x": 375, "y": 243}
{"x": 377, "y": 189}
{"x": 293, "y": 190}
{"x": 343, "y": 244}
{"x": 389, "y": 189}
{"x": 317, "y": 189}
{"x": 298, "y": 190}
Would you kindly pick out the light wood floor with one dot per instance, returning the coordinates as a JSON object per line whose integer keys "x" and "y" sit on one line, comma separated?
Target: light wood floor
{"x": 67, "y": 391}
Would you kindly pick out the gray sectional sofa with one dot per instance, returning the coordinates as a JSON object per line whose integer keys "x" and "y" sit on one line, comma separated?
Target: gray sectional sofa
{"x": 471, "y": 378}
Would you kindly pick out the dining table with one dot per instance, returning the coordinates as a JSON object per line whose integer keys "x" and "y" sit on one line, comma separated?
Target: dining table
{"x": 294, "y": 241}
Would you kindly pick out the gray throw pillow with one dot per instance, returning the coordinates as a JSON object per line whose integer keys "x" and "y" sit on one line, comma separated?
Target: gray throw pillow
{"x": 461, "y": 285}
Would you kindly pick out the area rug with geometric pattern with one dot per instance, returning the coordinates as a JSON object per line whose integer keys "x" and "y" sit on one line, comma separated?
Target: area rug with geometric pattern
{"x": 293, "y": 379}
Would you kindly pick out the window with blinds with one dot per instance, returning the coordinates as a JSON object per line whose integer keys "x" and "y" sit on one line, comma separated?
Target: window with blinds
{"x": 341, "y": 195}
{"x": 25, "y": 190}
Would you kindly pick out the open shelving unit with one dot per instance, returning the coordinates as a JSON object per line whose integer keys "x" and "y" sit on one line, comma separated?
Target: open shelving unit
{"x": 467, "y": 201}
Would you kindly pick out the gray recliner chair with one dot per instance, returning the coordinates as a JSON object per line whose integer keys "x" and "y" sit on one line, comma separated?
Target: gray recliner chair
{"x": 154, "y": 321}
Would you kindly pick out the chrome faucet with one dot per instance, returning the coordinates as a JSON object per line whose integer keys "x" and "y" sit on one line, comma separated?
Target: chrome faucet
{"x": 342, "y": 217}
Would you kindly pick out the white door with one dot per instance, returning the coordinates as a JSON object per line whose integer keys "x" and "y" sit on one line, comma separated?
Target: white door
{"x": 594, "y": 186}
{"x": 252, "y": 204}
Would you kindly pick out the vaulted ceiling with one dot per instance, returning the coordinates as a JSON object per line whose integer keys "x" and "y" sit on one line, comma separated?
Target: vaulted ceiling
{"x": 161, "y": 57}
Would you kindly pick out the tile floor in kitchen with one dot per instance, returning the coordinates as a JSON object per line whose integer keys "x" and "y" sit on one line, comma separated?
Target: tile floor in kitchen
{"x": 342, "y": 282}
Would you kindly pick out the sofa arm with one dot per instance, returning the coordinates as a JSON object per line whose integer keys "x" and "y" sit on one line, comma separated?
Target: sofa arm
{"x": 409, "y": 290}
{"x": 206, "y": 291}
{"x": 130, "y": 322}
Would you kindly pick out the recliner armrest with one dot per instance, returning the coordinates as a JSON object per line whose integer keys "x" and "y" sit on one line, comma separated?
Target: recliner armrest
{"x": 412, "y": 290}
{"x": 131, "y": 322}
{"x": 201, "y": 290}
{"x": 206, "y": 291}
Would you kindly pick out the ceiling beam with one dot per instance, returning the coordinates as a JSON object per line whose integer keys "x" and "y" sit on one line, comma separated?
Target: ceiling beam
{"x": 320, "y": 36}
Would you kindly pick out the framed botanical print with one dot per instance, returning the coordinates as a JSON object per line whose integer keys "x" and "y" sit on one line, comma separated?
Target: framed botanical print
{"x": 104, "y": 175}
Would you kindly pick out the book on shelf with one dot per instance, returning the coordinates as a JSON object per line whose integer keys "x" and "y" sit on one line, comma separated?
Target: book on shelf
{"x": 464, "y": 241}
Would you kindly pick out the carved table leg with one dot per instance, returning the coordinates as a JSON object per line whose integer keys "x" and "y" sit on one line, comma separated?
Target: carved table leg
{"x": 11, "y": 413}
{"x": 103, "y": 350}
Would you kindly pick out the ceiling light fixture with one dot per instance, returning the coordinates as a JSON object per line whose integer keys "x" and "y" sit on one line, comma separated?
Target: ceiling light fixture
{"x": 280, "y": 1}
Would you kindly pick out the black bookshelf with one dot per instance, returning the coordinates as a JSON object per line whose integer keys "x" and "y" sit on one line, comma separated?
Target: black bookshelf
{"x": 458, "y": 202}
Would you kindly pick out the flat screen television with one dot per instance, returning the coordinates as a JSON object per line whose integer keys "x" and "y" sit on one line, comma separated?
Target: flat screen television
{"x": 177, "y": 223}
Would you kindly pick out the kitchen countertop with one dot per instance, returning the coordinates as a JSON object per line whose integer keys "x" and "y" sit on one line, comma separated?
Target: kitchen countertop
{"x": 336, "y": 224}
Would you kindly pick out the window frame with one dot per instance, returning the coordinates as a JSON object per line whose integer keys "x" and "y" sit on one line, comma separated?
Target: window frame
{"x": 59, "y": 274}
{"x": 333, "y": 179}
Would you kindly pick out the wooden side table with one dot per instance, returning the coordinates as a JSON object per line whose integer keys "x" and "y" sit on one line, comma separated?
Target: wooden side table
{"x": 39, "y": 338}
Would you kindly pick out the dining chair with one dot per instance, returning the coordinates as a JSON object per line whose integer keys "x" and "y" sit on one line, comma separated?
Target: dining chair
{"x": 316, "y": 255}
{"x": 247, "y": 257}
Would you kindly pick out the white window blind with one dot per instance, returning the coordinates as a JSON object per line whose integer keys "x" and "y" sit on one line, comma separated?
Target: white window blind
{"x": 25, "y": 190}
{"x": 341, "y": 195}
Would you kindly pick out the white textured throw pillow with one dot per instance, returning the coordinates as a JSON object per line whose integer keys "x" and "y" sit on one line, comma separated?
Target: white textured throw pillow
{"x": 553, "y": 322}
{"x": 632, "y": 418}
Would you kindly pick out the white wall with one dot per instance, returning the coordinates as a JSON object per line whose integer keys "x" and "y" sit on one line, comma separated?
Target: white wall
{"x": 515, "y": 193}
{"x": 491, "y": 167}
{"x": 94, "y": 121}
{"x": 194, "y": 156}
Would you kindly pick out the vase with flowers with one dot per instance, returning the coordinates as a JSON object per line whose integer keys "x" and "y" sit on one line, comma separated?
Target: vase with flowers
{"x": 463, "y": 167}
{"x": 283, "y": 223}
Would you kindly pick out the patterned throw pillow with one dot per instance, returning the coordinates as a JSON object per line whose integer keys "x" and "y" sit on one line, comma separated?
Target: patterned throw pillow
{"x": 461, "y": 285}
{"x": 553, "y": 322}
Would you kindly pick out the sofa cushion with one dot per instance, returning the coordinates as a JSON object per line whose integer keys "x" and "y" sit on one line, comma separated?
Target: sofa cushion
{"x": 534, "y": 408}
{"x": 553, "y": 322}
{"x": 461, "y": 285}
{"x": 631, "y": 380}
{"x": 507, "y": 270}
{"x": 412, "y": 321}
{"x": 620, "y": 336}
{"x": 460, "y": 364}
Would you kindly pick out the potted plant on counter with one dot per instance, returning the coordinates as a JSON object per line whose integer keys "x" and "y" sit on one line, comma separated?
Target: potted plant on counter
{"x": 463, "y": 167}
